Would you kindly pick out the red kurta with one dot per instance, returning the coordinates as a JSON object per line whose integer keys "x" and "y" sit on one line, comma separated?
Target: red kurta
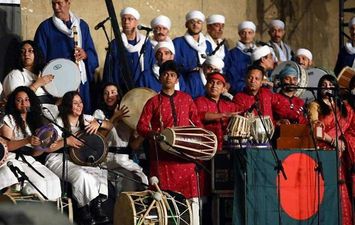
{"x": 174, "y": 173}
{"x": 290, "y": 108}
{"x": 243, "y": 101}
{"x": 218, "y": 127}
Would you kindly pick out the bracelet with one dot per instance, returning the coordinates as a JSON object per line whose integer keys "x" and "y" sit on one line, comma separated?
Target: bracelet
{"x": 99, "y": 122}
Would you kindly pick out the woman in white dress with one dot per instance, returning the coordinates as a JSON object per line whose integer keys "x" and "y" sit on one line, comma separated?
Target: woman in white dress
{"x": 23, "y": 117}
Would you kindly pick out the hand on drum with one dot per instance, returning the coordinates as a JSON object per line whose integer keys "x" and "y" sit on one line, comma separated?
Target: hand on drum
{"x": 34, "y": 141}
{"x": 73, "y": 142}
{"x": 120, "y": 112}
{"x": 44, "y": 79}
{"x": 92, "y": 127}
{"x": 80, "y": 54}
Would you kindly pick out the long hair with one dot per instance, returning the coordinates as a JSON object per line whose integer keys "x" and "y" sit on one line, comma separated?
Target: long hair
{"x": 324, "y": 108}
{"x": 102, "y": 105}
{"x": 66, "y": 108}
{"x": 33, "y": 118}
{"x": 38, "y": 63}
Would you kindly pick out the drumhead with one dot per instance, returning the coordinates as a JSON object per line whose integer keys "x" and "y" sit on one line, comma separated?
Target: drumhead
{"x": 135, "y": 100}
{"x": 48, "y": 135}
{"x": 314, "y": 74}
{"x": 66, "y": 77}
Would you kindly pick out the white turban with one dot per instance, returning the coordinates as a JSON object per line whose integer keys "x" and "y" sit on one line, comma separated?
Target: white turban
{"x": 351, "y": 22}
{"x": 214, "y": 61}
{"x": 260, "y": 52}
{"x": 194, "y": 14}
{"x": 165, "y": 44}
{"x": 246, "y": 25}
{"x": 277, "y": 23}
{"x": 130, "y": 11}
{"x": 305, "y": 52}
{"x": 215, "y": 19}
{"x": 162, "y": 21}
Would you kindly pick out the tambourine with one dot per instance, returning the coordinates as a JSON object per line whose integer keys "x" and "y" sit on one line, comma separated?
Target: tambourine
{"x": 48, "y": 135}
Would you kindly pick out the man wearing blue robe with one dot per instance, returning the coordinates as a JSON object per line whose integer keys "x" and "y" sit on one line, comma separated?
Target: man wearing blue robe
{"x": 55, "y": 38}
{"x": 191, "y": 51}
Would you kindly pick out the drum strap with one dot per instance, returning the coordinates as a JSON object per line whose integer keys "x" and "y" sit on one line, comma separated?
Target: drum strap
{"x": 19, "y": 155}
{"x": 46, "y": 99}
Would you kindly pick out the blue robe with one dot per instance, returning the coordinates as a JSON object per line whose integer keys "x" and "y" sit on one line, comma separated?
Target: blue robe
{"x": 113, "y": 66}
{"x": 186, "y": 57}
{"x": 236, "y": 65}
{"x": 344, "y": 59}
{"x": 54, "y": 44}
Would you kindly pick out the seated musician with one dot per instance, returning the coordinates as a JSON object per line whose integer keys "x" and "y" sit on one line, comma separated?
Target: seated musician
{"x": 23, "y": 117}
{"x": 254, "y": 99}
{"x": 288, "y": 108}
{"x": 119, "y": 139}
{"x": 89, "y": 184}
{"x": 170, "y": 108}
{"x": 304, "y": 58}
{"x": 27, "y": 72}
{"x": 321, "y": 114}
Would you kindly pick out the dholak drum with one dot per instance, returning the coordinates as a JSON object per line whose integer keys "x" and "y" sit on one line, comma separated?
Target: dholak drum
{"x": 238, "y": 127}
{"x": 135, "y": 100}
{"x": 3, "y": 152}
{"x": 48, "y": 135}
{"x": 92, "y": 153}
{"x": 66, "y": 77}
{"x": 258, "y": 132}
{"x": 313, "y": 76}
{"x": 345, "y": 76}
{"x": 131, "y": 207}
{"x": 191, "y": 142}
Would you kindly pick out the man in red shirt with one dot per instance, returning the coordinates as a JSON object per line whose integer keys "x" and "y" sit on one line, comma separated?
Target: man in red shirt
{"x": 170, "y": 108}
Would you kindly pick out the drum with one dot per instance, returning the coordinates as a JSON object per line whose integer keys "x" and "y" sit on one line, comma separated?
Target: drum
{"x": 313, "y": 76}
{"x": 135, "y": 100}
{"x": 238, "y": 127}
{"x": 66, "y": 77}
{"x": 191, "y": 142}
{"x": 48, "y": 135}
{"x": 92, "y": 153}
{"x": 139, "y": 208}
{"x": 3, "y": 152}
{"x": 302, "y": 81}
{"x": 258, "y": 132}
{"x": 345, "y": 76}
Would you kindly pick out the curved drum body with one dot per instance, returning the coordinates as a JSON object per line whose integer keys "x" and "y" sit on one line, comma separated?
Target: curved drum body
{"x": 191, "y": 142}
{"x": 238, "y": 127}
{"x": 313, "y": 76}
{"x": 257, "y": 130}
{"x": 66, "y": 77}
{"x": 92, "y": 153}
{"x": 141, "y": 208}
{"x": 48, "y": 135}
{"x": 302, "y": 74}
{"x": 3, "y": 152}
{"x": 345, "y": 76}
{"x": 135, "y": 100}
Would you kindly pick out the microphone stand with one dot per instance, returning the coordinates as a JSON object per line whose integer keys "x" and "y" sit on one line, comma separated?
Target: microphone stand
{"x": 23, "y": 177}
{"x": 142, "y": 51}
{"x": 108, "y": 50}
{"x": 118, "y": 174}
{"x": 279, "y": 168}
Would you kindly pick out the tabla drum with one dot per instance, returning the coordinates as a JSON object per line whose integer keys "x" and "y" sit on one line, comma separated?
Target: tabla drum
{"x": 139, "y": 208}
{"x": 302, "y": 76}
{"x": 258, "y": 132}
{"x": 191, "y": 142}
{"x": 3, "y": 152}
{"x": 238, "y": 127}
{"x": 48, "y": 135}
{"x": 66, "y": 77}
{"x": 135, "y": 100}
{"x": 313, "y": 76}
{"x": 345, "y": 76}
{"x": 92, "y": 153}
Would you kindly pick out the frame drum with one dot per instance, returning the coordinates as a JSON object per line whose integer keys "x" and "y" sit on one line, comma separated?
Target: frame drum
{"x": 66, "y": 77}
{"x": 345, "y": 76}
{"x": 313, "y": 75}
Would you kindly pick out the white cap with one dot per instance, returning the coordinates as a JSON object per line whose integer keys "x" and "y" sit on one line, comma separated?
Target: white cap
{"x": 165, "y": 44}
{"x": 260, "y": 52}
{"x": 130, "y": 11}
{"x": 352, "y": 22}
{"x": 162, "y": 21}
{"x": 305, "y": 52}
{"x": 246, "y": 24}
{"x": 215, "y": 19}
{"x": 277, "y": 23}
{"x": 214, "y": 61}
{"x": 195, "y": 14}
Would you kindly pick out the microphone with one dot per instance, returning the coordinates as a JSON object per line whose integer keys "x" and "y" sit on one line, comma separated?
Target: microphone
{"x": 253, "y": 106}
{"x": 28, "y": 109}
{"x": 141, "y": 27}
{"x": 101, "y": 24}
{"x": 13, "y": 169}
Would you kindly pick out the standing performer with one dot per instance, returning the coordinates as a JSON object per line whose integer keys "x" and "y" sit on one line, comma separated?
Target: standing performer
{"x": 171, "y": 108}
{"x": 321, "y": 114}
{"x": 89, "y": 184}
{"x": 55, "y": 38}
{"x": 304, "y": 58}
{"x": 346, "y": 56}
{"x": 23, "y": 117}
{"x": 161, "y": 27}
{"x": 282, "y": 51}
{"x": 215, "y": 26}
{"x": 262, "y": 56}
{"x": 191, "y": 51}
